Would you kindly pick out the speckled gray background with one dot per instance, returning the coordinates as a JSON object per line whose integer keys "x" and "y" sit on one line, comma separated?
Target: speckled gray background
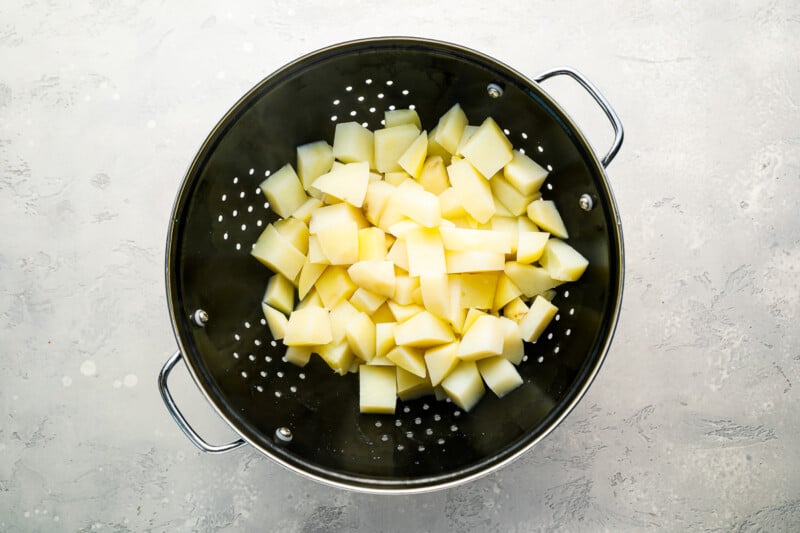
{"x": 693, "y": 422}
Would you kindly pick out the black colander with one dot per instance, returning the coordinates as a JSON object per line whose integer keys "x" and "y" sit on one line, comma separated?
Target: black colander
{"x": 308, "y": 419}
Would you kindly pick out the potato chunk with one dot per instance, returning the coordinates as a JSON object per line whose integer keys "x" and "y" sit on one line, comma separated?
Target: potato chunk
{"x": 276, "y": 321}
{"x": 488, "y": 149}
{"x": 375, "y": 276}
{"x": 562, "y": 261}
{"x": 483, "y": 339}
{"x": 347, "y": 183}
{"x": 413, "y": 159}
{"x": 313, "y": 160}
{"x": 500, "y": 375}
{"x": 390, "y": 144}
{"x": 545, "y": 215}
{"x": 524, "y": 173}
{"x": 440, "y": 361}
{"x": 464, "y": 385}
{"x": 448, "y": 131}
{"x": 352, "y": 142}
{"x": 409, "y": 358}
{"x": 280, "y": 294}
{"x": 422, "y": 331}
{"x": 284, "y": 191}
{"x": 537, "y": 319}
{"x": 377, "y": 389}
{"x": 425, "y": 252}
{"x": 472, "y": 189}
{"x": 277, "y": 253}
{"x": 307, "y": 327}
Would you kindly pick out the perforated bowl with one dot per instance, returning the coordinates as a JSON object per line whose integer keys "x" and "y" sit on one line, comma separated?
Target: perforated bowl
{"x": 307, "y": 419}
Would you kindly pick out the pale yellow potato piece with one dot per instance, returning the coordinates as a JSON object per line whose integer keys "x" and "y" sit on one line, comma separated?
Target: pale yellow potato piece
{"x": 371, "y": 244}
{"x": 347, "y": 183}
{"x": 374, "y": 275}
{"x": 408, "y": 358}
{"x": 396, "y": 178}
{"x": 531, "y": 280}
{"x": 472, "y": 189}
{"x": 499, "y": 375}
{"x": 384, "y": 338}
{"x": 295, "y": 231}
{"x": 401, "y": 312}
{"x": 404, "y": 289}
{"x": 524, "y": 173}
{"x": 366, "y": 301}
{"x": 425, "y": 252}
{"x": 376, "y": 199}
{"x": 515, "y": 310}
{"x": 545, "y": 215}
{"x": 298, "y": 355}
{"x": 338, "y": 356}
{"x": 420, "y": 206}
{"x": 531, "y": 245}
{"x": 464, "y": 385}
{"x": 526, "y": 224}
{"x": 315, "y": 254}
{"x": 463, "y": 239}
{"x": 509, "y": 226}
{"x": 423, "y": 330}
{"x": 399, "y": 229}
{"x": 484, "y": 338}
{"x": 440, "y": 361}
{"x": 333, "y": 215}
{"x": 466, "y": 222}
{"x": 341, "y": 315}
{"x": 505, "y": 292}
{"x": 279, "y": 294}
{"x": 435, "y": 149}
{"x": 435, "y": 293}
{"x": 377, "y": 389}
{"x": 304, "y": 211}
{"x": 398, "y": 117}
{"x": 339, "y": 243}
{"x": 473, "y": 261}
{"x": 381, "y": 361}
{"x": 278, "y": 254}
{"x": 472, "y": 315}
{"x": 433, "y": 177}
{"x": 352, "y": 142}
{"x": 308, "y": 326}
{"x": 513, "y": 349}
{"x": 508, "y": 196}
{"x": 469, "y": 131}
{"x": 449, "y": 129}
{"x": 334, "y": 285}
{"x": 313, "y": 160}
{"x": 312, "y": 299}
{"x": 488, "y": 149}
{"x": 478, "y": 289}
{"x": 383, "y": 315}
{"x": 562, "y": 261}
{"x": 456, "y": 313}
{"x": 390, "y": 144}
{"x": 276, "y": 321}
{"x": 537, "y": 319}
{"x": 360, "y": 333}
{"x": 450, "y": 203}
{"x": 413, "y": 159}
{"x": 410, "y": 386}
{"x": 398, "y": 254}
{"x": 284, "y": 191}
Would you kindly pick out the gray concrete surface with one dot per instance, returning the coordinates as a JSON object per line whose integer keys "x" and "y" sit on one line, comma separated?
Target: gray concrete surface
{"x": 691, "y": 425}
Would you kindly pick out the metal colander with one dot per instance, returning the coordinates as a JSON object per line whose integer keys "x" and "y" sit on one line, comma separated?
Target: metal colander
{"x": 308, "y": 419}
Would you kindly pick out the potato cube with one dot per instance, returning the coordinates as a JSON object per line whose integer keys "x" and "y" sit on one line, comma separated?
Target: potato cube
{"x": 315, "y": 254}
{"x": 373, "y": 275}
{"x": 384, "y": 338}
{"x": 469, "y": 131}
{"x": 360, "y": 333}
{"x": 366, "y": 301}
{"x": 312, "y": 299}
{"x": 450, "y": 128}
{"x": 562, "y": 261}
{"x": 307, "y": 327}
{"x": 398, "y": 254}
{"x": 537, "y": 319}
{"x": 280, "y": 294}
{"x": 531, "y": 245}
{"x": 413, "y": 159}
{"x": 435, "y": 149}
{"x": 473, "y": 261}
{"x": 408, "y": 358}
{"x": 513, "y": 349}
{"x": 338, "y": 356}
{"x": 450, "y": 203}
{"x": 339, "y": 243}
{"x": 433, "y": 177}
{"x": 508, "y": 226}
{"x": 410, "y": 386}
{"x": 545, "y": 215}
{"x": 295, "y": 231}
{"x": 472, "y": 315}
{"x": 276, "y": 321}
{"x": 397, "y": 178}
{"x": 420, "y": 206}
{"x": 425, "y": 252}
{"x": 376, "y": 199}
{"x": 334, "y": 285}
{"x": 462, "y": 239}
{"x": 515, "y": 310}
{"x": 347, "y": 183}
{"x": 440, "y": 361}
{"x": 401, "y": 312}
{"x": 404, "y": 289}
{"x": 488, "y": 149}
{"x": 531, "y": 280}
{"x": 500, "y": 375}
{"x": 309, "y": 275}
{"x": 298, "y": 355}
{"x": 398, "y": 117}
{"x": 390, "y": 144}
{"x": 381, "y": 361}
{"x": 524, "y": 173}
{"x": 352, "y": 143}
{"x": 477, "y": 289}
{"x": 313, "y": 160}
{"x": 526, "y": 224}
{"x": 333, "y": 215}
{"x": 484, "y": 338}
{"x": 399, "y": 229}
{"x": 383, "y": 315}
{"x": 377, "y": 389}
{"x": 371, "y": 244}
{"x": 277, "y": 253}
{"x": 505, "y": 292}
{"x": 303, "y": 212}
{"x": 284, "y": 191}
{"x": 472, "y": 189}
{"x": 435, "y": 294}
{"x": 507, "y": 195}
{"x": 464, "y": 385}
{"x": 423, "y": 330}
{"x": 341, "y": 315}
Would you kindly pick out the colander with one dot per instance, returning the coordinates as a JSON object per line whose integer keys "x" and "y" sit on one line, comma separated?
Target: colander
{"x": 307, "y": 419}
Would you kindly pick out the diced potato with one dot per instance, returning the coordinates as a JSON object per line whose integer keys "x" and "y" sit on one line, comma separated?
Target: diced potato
{"x": 390, "y": 144}
{"x": 398, "y": 254}
{"x": 505, "y": 292}
{"x": 401, "y": 312}
{"x": 312, "y": 299}
{"x": 333, "y": 215}
{"x": 377, "y": 389}
{"x": 371, "y": 244}
{"x": 276, "y": 321}
{"x": 284, "y": 191}
{"x": 381, "y": 361}
{"x": 347, "y": 183}
{"x": 435, "y": 149}
{"x": 526, "y": 224}
{"x": 373, "y": 275}
{"x": 461, "y": 239}
{"x": 545, "y": 215}
{"x": 279, "y": 294}
{"x": 472, "y": 189}
{"x": 341, "y": 314}
{"x": 313, "y": 160}
{"x": 366, "y": 301}
{"x": 464, "y": 385}
{"x": 509, "y": 227}
{"x": 472, "y": 315}
{"x": 500, "y": 375}
{"x": 499, "y": 210}
{"x": 277, "y": 253}
{"x": 399, "y": 229}
{"x": 524, "y": 173}
{"x": 384, "y": 338}
{"x": 334, "y": 285}
{"x": 440, "y": 361}
{"x": 383, "y": 314}
{"x": 360, "y": 333}
{"x": 408, "y": 358}
{"x": 434, "y": 175}
{"x": 562, "y": 261}
{"x": 448, "y": 131}
{"x": 450, "y": 204}
{"x": 338, "y": 356}
{"x": 425, "y": 252}
{"x": 423, "y": 330}
{"x": 404, "y": 289}
{"x": 378, "y": 194}
{"x": 397, "y": 178}
{"x": 420, "y": 206}
{"x": 304, "y": 211}
{"x": 508, "y": 196}
{"x": 352, "y": 143}
{"x": 308, "y": 326}
{"x": 513, "y": 349}
{"x": 298, "y": 355}
{"x": 416, "y": 296}
{"x": 478, "y": 289}
{"x": 339, "y": 243}
{"x": 484, "y": 338}
{"x": 435, "y": 294}
{"x": 531, "y": 280}
{"x": 456, "y": 312}
{"x": 531, "y": 245}
{"x": 315, "y": 254}
{"x": 410, "y": 386}
{"x": 397, "y": 117}
{"x": 295, "y": 231}
{"x": 413, "y": 159}
{"x": 466, "y": 222}
{"x": 469, "y": 131}
{"x": 537, "y": 319}
{"x": 473, "y": 261}
{"x": 488, "y": 149}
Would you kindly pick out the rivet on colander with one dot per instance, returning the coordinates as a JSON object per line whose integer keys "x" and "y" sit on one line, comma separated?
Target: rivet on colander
{"x": 200, "y": 318}
{"x": 494, "y": 90}
{"x": 586, "y": 202}
{"x": 283, "y": 434}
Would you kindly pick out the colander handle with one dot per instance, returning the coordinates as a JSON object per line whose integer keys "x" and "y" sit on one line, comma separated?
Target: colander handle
{"x": 190, "y": 433}
{"x": 599, "y": 98}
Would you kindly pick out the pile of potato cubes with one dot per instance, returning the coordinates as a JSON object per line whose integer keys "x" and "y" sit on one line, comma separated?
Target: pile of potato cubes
{"x": 420, "y": 260}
